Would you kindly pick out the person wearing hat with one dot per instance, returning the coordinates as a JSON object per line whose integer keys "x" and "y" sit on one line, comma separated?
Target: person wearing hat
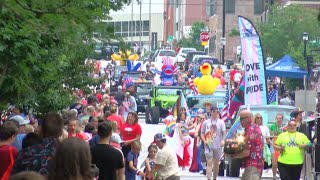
{"x": 21, "y": 123}
{"x": 166, "y": 163}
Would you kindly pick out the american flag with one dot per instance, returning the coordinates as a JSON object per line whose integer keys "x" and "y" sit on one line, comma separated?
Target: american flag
{"x": 128, "y": 82}
{"x": 272, "y": 97}
{"x": 225, "y": 110}
{"x": 167, "y": 60}
{"x": 191, "y": 85}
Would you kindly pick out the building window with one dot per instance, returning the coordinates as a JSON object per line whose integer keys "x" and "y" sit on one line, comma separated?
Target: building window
{"x": 212, "y": 7}
{"x": 258, "y": 7}
{"x": 128, "y": 28}
{"x": 230, "y": 6}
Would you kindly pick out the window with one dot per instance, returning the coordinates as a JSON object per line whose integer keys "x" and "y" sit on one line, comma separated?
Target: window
{"x": 145, "y": 25}
{"x": 211, "y": 7}
{"x": 258, "y": 7}
{"x": 124, "y": 26}
{"x": 117, "y": 26}
{"x": 230, "y": 6}
{"x": 137, "y": 25}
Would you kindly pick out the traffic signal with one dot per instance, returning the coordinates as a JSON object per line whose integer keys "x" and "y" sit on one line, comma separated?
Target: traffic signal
{"x": 309, "y": 63}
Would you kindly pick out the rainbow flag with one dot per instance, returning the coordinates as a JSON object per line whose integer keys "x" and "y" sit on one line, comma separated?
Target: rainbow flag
{"x": 169, "y": 130}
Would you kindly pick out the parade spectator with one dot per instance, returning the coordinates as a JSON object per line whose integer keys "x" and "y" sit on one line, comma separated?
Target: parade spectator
{"x": 114, "y": 117}
{"x": 131, "y": 169}
{"x": 73, "y": 126}
{"x": 115, "y": 138}
{"x": 108, "y": 159}
{"x": 29, "y": 129}
{"x": 8, "y": 153}
{"x": 130, "y": 132}
{"x": 33, "y": 158}
{"x": 232, "y": 73}
{"x": 237, "y": 78}
{"x": 213, "y": 132}
{"x": 253, "y": 151}
{"x": 89, "y": 113}
{"x": 119, "y": 95}
{"x": 21, "y": 122}
{"x": 275, "y": 130}
{"x": 71, "y": 161}
{"x": 92, "y": 101}
{"x": 95, "y": 121}
{"x": 291, "y": 145}
{"x": 185, "y": 140}
{"x": 166, "y": 164}
{"x": 27, "y": 175}
{"x": 218, "y": 71}
{"x": 196, "y": 162}
{"x": 258, "y": 120}
{"x": 30, "y": 140}
{"x": 151, "y": 159}
{"x": 132, "y": 102}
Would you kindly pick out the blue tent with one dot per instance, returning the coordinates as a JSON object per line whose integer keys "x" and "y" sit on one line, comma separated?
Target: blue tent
{"x": 285, "y": 67}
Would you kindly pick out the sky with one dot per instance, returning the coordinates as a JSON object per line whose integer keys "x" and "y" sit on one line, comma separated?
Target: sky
{"x": 157, "y": 6}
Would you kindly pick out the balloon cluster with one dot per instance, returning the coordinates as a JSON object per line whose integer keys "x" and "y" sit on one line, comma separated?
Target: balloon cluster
{"x": 236, "y": 145}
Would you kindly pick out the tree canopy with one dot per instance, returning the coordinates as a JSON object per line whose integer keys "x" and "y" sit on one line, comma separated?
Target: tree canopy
{"x": 194, "y": 40}
{"x": 43, "y": 47}
{"x": 282, "y": 33}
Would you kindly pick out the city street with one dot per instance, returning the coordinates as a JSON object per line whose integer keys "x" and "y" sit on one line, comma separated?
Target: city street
{"x": 149, "y": 130}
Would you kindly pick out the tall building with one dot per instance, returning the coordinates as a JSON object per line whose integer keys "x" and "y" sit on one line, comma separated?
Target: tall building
{"x": 140, "y": 23}
{"x": 180, "y": 15}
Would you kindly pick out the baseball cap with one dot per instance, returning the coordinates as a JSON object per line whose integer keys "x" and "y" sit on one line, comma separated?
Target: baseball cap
{"x": 295, "y": 112}
{"x": 119, "y": 87}
{"x": 158, "y": 137}
{"x": 20, "y": 120}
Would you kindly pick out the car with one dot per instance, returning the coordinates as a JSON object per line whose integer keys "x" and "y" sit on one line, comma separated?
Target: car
{"x": 268, "y": 113}
{"x": 162, "y": 99}
{"x": 142, "y": 95}
{"x": 189, "y": 58}
{"x": 195, "y": 102}
{"x": 164, "y": 52}
{"x": 181, "y": 56}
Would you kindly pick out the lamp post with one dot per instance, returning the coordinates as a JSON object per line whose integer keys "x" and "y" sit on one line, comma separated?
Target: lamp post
{"x": 305, "y": 38}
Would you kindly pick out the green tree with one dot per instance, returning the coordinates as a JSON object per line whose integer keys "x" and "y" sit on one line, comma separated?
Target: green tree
{"x": 43, "y": 47}
{"x": 194, "y": 40}
{"x": 282, "y": 33}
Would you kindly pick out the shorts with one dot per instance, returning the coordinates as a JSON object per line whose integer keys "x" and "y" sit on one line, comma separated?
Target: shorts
{"x": 202, "y": 156}
{"x": 213, "y": 153}
{"x": 251, "y": 173}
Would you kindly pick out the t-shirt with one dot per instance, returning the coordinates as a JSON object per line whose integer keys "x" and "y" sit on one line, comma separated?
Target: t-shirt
{"x": 108, "y": 159}
{"x": 132, "y": 104}
{"x": 265, "y": 132}
{"x": 213, "y": 131}
{"x": 129, "y": 132}
{"x": 78, "y": 135}
{"x": 168, "y": 161}
{"x": 18, "y": 141}
{"x": 254, "y": 141}
{"x": 276, "y": 130}
{"x": 131, "y": 174}
{"x": 292, "y": 154}
{"x": 237, "y": 77}
{"x": 7, "y": 156}
{"x": 232, "y": 73}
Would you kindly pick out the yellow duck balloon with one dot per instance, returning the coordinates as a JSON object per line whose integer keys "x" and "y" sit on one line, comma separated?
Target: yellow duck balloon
{"x": 207, "y": 84}
{"x": 124, "y": 56}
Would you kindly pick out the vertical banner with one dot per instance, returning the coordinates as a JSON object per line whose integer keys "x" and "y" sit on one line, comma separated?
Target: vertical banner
{"x": 255, "y": 91}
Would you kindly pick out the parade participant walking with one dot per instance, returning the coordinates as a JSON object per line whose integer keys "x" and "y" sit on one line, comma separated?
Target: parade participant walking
{"x": 71, "y": 161}
{"x": 292, "y": 145}
{"x": 232, "y": 73}
{"x": 8, "y": 133}
{"x": 130, "y": 132}
{"x": 166, "y": 164}
{"x": 108, "y": 159}
{"x": 253, "y": 151}
{"x": 275, "y": 130}
{"x": 181, "y": 132}
{"x": 213, "y": 132}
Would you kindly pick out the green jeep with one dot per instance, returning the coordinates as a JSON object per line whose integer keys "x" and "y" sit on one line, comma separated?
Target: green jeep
{"x": 162, "y": 99}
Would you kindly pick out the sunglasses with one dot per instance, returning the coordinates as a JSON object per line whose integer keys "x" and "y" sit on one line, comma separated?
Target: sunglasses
{"x": 258, "y": 117}
{"x": 215, "y": 111}
{"x": 202, "y": 118}
{"x": 242, "y": 118}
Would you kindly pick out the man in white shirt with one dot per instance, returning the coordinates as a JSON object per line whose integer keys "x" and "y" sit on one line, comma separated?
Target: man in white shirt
{"x": 237, "y": 78}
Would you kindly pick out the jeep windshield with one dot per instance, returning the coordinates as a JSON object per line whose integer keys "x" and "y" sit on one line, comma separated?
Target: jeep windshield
{"x": 168, "y": 91}
{"x": 198, "y": 101}
{"x": 143, "y": 89}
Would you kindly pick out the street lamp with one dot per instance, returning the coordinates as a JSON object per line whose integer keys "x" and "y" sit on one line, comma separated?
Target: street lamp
{"x": 305, "y": 38}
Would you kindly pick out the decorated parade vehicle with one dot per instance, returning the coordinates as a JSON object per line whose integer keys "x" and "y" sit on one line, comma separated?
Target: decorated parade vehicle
{"x": 235, "y": 139}
{"x": 142, "y": 95}
{"x": 196, "y": 102}
{"x": 162, "y": 99}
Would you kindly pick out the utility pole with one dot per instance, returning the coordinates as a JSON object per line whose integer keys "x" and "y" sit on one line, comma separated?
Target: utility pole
{"x": 149, "y": 25}
{"x": 140, "y": 26}
{"x": 131, "y": 28}
{"x": 223, "y": 28}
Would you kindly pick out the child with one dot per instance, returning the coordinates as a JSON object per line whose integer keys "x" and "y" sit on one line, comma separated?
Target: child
{"x": 30, "y": 140}
{"x": 132, "y": 161}
{"x": 150, "y": 161}
{"x": 8, "y": 133}
{"x": 73, "y": 125}
{"x": 115, "y": 138}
